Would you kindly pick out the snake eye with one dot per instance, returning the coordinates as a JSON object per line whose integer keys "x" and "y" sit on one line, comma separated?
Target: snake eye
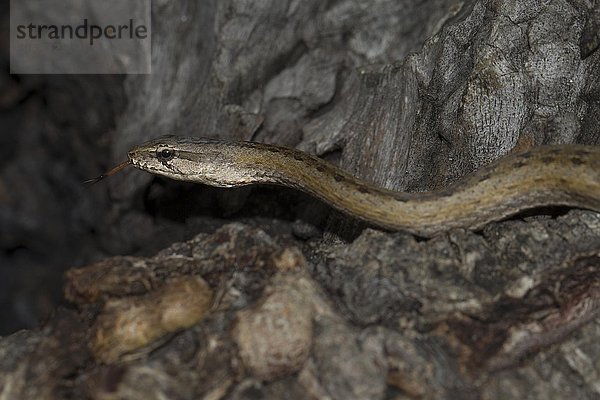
{"x": 165, "y": 154}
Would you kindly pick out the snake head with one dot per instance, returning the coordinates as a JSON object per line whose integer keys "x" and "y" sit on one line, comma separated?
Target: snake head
{"x": 207, "y": 161}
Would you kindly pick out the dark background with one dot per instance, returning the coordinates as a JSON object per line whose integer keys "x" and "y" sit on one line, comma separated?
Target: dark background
{"x": 55, "y": 133}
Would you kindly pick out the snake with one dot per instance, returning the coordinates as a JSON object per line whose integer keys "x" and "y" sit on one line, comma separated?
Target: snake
{"x": 547, "y": 175}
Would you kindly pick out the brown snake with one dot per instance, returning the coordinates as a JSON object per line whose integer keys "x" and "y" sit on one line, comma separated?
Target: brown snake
{"x": 565, "y": 175}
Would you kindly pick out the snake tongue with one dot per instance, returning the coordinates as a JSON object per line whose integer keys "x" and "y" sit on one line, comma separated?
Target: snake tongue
{"x": 109, "y": 173}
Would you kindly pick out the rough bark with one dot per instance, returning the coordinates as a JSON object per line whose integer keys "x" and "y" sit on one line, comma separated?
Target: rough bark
{"x": 184, "y": 291}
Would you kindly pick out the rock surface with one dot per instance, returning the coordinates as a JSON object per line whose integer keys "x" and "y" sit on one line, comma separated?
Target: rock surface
{"x": 239, "y": 313}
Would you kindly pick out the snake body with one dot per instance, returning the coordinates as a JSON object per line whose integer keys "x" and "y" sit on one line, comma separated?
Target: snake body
{"x": 566, "y": 175}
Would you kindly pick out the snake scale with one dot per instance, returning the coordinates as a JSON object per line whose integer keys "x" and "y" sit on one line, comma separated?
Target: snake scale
{"x": 552, "y": 175}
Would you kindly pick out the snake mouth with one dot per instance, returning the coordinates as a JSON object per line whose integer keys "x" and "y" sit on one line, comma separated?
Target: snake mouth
{"x": 131, "y": 156}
